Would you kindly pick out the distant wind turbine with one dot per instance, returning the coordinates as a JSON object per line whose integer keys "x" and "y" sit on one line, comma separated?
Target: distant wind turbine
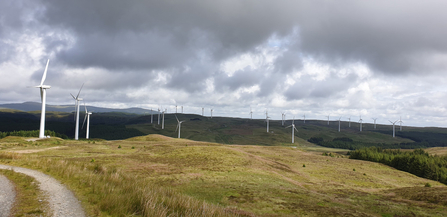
{"x": 268, "y": 124}
{"x": 176, "y": 109}
{"x": 212, "y": 113}
{"x": 349, "y": 121}
{"x": 328, "y": 119}
{"x": 361, "y": 121}
{"x": 283, "y": 115}
{"x": 152, "y": 116}
{"x": 251, "y": 114}
{"x": 293, "y": 129}
{"x": 394, "y": 129}
{"x": 339, "y": 124}
{"x": 182, "y": 109}
{"x": 374, "y": 122}
{"x": 179, "y": 125}
{"x": 304, "y": 116}
{"x": 87, "y": 116}
{"x": 163, "y": 120}
{"x": 158, "y": 116}
{"x": 43, "y": 98}
{"x": 77, "y": 100}
{"x": 203, "y": 111}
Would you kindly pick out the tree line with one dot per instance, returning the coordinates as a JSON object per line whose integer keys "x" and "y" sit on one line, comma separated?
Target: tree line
{"x": 417, "y": 162}
{"x": 31, "y": 133}
{"x": 347, "y": 143}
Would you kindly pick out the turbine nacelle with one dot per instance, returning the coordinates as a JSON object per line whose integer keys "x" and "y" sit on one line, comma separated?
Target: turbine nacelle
{"x": 43, "y": 86}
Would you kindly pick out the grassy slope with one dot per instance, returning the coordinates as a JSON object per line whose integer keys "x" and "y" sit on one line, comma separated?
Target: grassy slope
{"x": 246, "y": 131}
{"x": 263, "y": 180}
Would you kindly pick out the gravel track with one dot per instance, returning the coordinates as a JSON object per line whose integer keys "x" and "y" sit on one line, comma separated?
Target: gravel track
{"x": 7, "y": 196}
{"x": 61, "y": 200}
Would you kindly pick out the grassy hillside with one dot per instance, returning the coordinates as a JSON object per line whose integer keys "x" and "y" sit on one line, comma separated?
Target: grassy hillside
{"x": 150, "y": 175}
{"x": 246, "y": 131}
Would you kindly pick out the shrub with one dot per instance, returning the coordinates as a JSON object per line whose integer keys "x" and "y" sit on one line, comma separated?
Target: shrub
{"x": 427, "y": 185}
{"x": 119, "y": 146}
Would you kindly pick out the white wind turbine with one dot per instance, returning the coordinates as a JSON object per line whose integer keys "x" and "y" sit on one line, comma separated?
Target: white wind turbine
{"x": 87, "y": 116}
{"x": 251, "y": 114}
{"x": 394, "y": 129}
{"x": 349, "y": 121}
{"x": 182, "y": 109}
{"x": 268, "y": 124}
{"x": 179, "y": 125}
{"x": 304, "y": 116}
{"x": 203, "y": 111}
{"x": 293, "y": 130}
{"x": 361, "y": 121}
{"x": 158, "y": 116}
{"x": 328, "y": 119}
{"x": 339, "y": 123}
{"x": 283, "y": 115}
{"x": 77, "y": 100}
{"x": 212, "y": 113}
{"x": 374, "y": 122}
{"x": 43, "y": 98}
{"x": 152, "y": 116}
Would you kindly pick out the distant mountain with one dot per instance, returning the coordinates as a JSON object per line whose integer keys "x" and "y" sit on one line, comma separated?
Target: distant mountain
{"x": 35, "y": 106}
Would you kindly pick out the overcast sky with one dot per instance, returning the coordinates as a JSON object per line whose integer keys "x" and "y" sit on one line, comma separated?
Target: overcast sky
{"x": 378, "y": 59}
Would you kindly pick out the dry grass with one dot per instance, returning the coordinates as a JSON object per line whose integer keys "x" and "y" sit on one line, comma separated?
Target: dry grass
{"x": 165, "y": 176}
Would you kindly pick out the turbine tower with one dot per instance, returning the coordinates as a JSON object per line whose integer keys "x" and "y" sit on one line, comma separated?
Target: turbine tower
{"x": 374, "y": 122}
{"x": 212, "y": 113}
{"x": 176, "y": 109}
{"x": 179, "y": 125}
{"x": 158, "y": 116}
{"x": 268, "y": 124}
{"x": 361, "y": 121}
{"x": 77, "y": 100}
{"x": 87, "y": 116}
{"x": 251, "y": 114}
{"x": 394, "y": 129}
{"x": 293, "y": 130}
{"x": 304, "y": 116}
{"x": 202, "y": 111}
{"x": 283, "y": 115}
{"x": 328, "y": 119}
{"x": 339, "y": 124}
{"x": 152, "y": 116}
{"x": 43, "y": 98}
{"x": 349, "y": 121}
{"x": 182, "y": 109}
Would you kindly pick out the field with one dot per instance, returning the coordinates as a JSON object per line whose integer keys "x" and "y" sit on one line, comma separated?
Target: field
{"x": 149, "y": 175}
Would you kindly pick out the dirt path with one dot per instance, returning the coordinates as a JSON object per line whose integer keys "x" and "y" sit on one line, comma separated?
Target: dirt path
{"x": 62, "y": 201}
{"x": 35, "y": 150}
{"x": 7, "y": 196}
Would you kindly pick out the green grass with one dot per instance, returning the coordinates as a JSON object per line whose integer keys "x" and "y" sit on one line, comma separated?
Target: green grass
{"x": 29, "y": 200}
{"x": 181, "y": 177}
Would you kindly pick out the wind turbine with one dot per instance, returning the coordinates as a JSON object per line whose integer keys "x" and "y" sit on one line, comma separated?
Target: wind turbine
{"x": 339, "y": 124}
{"x": 374, "y": 122}
{"x": 212, "y": 113}
{"x": 293, "y": 130}
{"x": 304, "y": 116}
{"x": 176, "y": 109}
{"x": 158, "y": 116}
{"x": 251, "y": 114}
{"x": 182, "y": 109}
{"x": 179, "y": 125}
{"x": 87, "y": 116}
{"x": 361, "y": 121}
{"x": 400, "y": 121}
{"x": 77, "y": 100}
{"x": 152, "y": 116}
{"x": 394, "y": 129}
{"x": 43, "y": 98}
{"x": 202, "y": 111}
{"x": 282, "y": 118}
{"x": 349, "y": 121}
{"x": 328, "y": 119}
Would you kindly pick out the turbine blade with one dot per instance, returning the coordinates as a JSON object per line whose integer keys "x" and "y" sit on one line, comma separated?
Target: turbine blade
{"x": 177, "y": 119}
{"x": 295, "y": 129}
{"x": 80, "y": 91}
{"x": 176, "y": 128}
{"x": 73, "y": 96}
{"x": 289, "y": 126}
{"x": 85, "y": 107}
{"x": 44, "y": 73}
{"x": 85, "y": 117}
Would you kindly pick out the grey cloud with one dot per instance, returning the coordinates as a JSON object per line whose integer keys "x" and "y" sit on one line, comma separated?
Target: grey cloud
{"x": 246, "y": 77}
